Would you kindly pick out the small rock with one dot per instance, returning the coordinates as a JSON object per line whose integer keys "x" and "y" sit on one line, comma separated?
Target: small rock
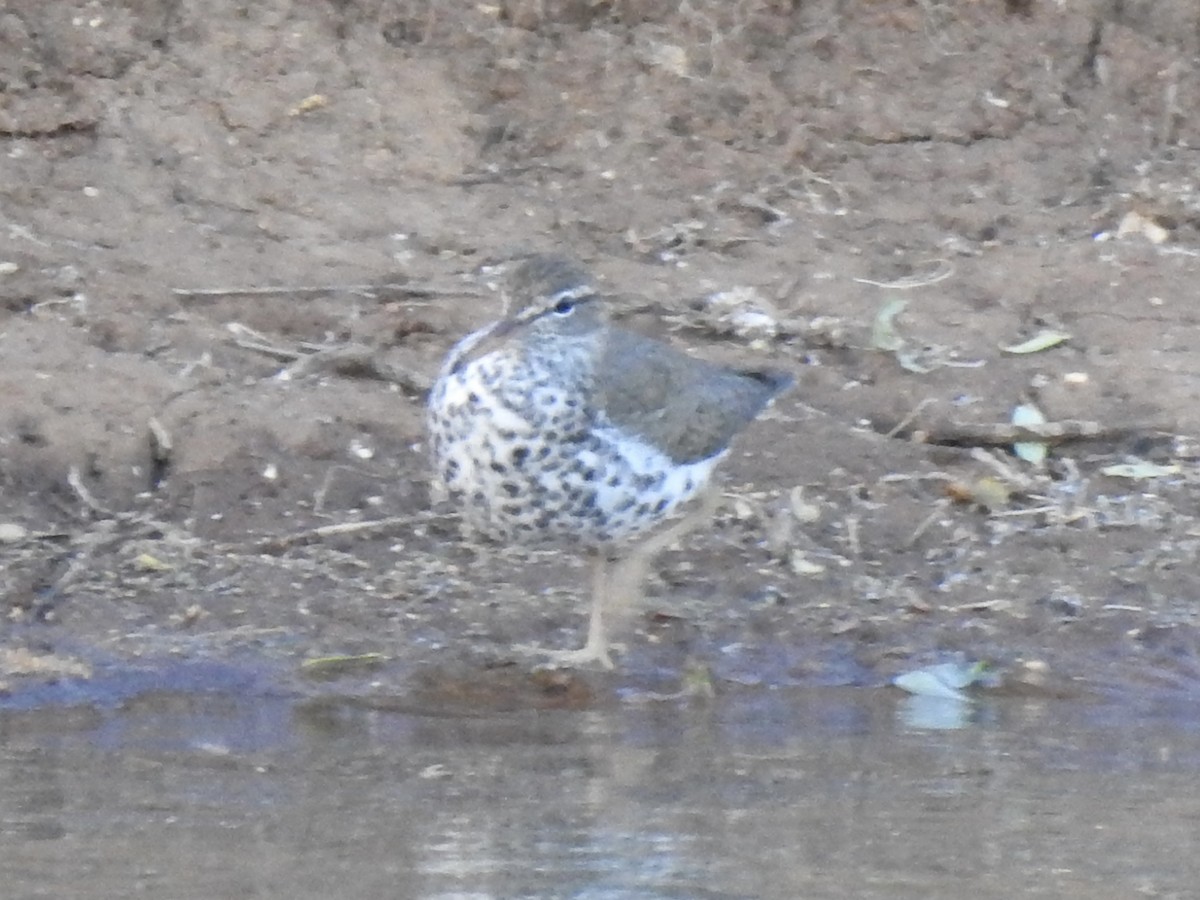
{"x": 11, "y": 532}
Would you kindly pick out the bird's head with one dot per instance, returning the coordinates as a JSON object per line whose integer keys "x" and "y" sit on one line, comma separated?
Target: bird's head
{"x": 550, "y": 298}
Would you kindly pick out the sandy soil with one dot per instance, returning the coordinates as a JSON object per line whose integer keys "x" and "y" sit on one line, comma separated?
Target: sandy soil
{"x": 236, "y": 239}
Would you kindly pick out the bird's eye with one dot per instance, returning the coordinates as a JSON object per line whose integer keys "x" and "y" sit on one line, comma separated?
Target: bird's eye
{"x": 564, "y": 307}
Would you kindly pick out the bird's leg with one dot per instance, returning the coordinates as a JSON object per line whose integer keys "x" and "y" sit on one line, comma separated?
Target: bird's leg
{"x": 629, "y": 573}
{"x": 694, "y": 518}
{"x": 595, "y": 650}
{"x": 617, "y": 585}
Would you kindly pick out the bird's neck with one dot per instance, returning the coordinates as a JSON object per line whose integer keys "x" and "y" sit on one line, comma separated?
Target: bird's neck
{"x": 573, "y": 353}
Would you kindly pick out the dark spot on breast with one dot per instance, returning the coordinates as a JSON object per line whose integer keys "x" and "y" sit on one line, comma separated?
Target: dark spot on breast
{"x": 519, "y": 455}
{"x": 590, "y": 474}
{"x": 613, "y": 480}
{"x": 512, "y": 489}
{"x": 542, "y": 453}
{"x": 499, "y": 468}
{"x": 473, "y": 397}
{"x": 661, "y": 505}
{"x": 451, "y": 469}
{"x": 644, "y": 482}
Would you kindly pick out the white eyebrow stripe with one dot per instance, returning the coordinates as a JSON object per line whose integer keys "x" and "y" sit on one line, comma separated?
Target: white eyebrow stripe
{"x": 573, "y": 293}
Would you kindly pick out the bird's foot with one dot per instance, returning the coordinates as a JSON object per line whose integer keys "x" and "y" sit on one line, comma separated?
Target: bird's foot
{"x": 590, "y": 654}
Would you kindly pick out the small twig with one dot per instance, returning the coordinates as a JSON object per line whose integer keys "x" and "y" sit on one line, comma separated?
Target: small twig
{"x": 911, "y": 417}
{"x": 79, "y": 301}
{"x": 492, "y": 174}
{"x": 996, "y": 434}
{"x": 770, "y": 214}
{"x": 360, "y": 361}
{"x": 327, "y": 483}
{"x": 317, "y": 290}
{"x": 943, "y": 271}
{"x": 1178, "y": 251}
{"x": 807, "y": 178}
{"x": 268, "y": 291}
{"x": 20, "y": 231}
{"x": 352, "y": 360}
{"x": 204, "y": 361}
{"x": 1030, "y": 511}
{"x": 323, "y": 532}
{"x": 1003, "y": 470}
{"x": 939, "y": 509}
{"x": 75, "y": 480}
{"x": 283, "y": 354}
{"x": 247, "y": 338}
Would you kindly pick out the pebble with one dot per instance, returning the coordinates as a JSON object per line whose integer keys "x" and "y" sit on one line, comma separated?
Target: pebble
{"x": 11, "y": 532}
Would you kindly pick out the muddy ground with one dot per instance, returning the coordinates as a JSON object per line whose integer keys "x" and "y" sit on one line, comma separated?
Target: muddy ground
{"x": 236, "y": 239}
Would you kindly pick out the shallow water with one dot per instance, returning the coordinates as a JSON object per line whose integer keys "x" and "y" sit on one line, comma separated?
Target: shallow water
{"x": 759, "y": 793}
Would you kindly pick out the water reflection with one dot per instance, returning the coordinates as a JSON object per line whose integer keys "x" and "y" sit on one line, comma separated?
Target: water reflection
{"x": 757, "y": 794}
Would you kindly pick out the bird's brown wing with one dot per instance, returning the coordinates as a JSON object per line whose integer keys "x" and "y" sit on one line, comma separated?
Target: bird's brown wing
{"x": 688, "y": 408}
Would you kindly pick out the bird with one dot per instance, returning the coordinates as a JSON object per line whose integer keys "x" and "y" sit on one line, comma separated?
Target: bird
{"x": 553, "y": 426}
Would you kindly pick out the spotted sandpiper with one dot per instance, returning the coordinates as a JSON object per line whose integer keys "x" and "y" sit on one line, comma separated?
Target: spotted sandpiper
{"x": 553, "y": 426}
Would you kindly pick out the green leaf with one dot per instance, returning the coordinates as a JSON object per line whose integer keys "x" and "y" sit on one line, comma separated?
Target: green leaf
{"x": 1140, "y": 470}
{"x": 883, "y": 331}
{"x": 1043, "y": 340}
{"x": 943, "y": 680}
{"x": 1030, "y": 451}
